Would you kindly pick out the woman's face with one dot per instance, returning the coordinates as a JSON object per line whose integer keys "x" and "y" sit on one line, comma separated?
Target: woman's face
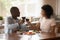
{"x": 43, "y": 13}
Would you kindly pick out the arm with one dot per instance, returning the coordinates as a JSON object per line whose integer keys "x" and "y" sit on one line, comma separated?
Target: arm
{"x": 38, "y": 26}
{"x": 53, "y": 29}
{"x": 35, "y": 27}
{"x": 12, "y": 26}
{"x": 9, "y": 24}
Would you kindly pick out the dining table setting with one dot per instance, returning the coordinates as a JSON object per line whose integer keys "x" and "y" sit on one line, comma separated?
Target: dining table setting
{"x": 32, "y": 35}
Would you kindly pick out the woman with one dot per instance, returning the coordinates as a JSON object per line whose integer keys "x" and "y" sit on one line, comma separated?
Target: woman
{"x": 47, "y": 23}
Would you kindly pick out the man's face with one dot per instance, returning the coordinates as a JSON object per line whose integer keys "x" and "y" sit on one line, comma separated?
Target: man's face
{"x": 15, "y": 13}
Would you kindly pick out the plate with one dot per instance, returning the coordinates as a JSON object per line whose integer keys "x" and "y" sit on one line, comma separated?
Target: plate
{"x": 29, "y": 33}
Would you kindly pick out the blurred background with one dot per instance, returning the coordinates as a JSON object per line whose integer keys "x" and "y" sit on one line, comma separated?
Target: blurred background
{"x": 28, "y": 8}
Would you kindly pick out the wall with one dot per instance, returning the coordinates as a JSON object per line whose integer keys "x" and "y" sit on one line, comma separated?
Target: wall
{"x": 52, "y": 3}
{"x": 2, "y": 9}
{"x": 58, "y": 8}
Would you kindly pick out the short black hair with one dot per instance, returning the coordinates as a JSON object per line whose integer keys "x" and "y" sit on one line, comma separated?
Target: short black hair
{"x": 14, "y": 9}
{"x": 48, "y": 10}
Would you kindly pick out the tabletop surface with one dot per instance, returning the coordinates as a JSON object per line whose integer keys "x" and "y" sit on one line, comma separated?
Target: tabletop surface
{"x": 37, "y": 36}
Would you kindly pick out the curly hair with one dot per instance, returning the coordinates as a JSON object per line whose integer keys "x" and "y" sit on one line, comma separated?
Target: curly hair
{"x": 48, "y": 10}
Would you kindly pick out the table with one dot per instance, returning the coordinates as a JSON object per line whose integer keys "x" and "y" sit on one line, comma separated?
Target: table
{"x": 37, "y": 36}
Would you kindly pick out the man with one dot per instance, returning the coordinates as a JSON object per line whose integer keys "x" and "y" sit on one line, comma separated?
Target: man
{"x": 12, "y": 22}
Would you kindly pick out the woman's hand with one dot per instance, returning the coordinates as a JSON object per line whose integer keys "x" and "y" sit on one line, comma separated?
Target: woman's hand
{"x": 20, "y": 22}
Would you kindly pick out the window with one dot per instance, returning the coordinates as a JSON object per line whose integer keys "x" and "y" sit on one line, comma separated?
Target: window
{"x": 28, "y": 8}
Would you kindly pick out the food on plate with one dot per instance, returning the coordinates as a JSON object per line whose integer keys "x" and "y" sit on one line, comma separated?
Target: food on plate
{"x": 30, "y": 33}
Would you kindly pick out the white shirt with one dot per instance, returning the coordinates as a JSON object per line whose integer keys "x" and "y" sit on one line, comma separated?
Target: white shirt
{"x": 46, "y": 24}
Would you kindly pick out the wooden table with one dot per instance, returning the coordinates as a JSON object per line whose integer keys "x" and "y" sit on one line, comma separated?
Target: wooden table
{"x": 37, "y": 36}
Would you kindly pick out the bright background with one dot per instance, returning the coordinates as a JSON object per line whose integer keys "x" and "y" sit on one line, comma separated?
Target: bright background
{"x": 28, "y": 8}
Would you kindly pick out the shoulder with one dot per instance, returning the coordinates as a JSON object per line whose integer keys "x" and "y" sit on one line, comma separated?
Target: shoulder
{"x": 9, "y": 18}
{"x": 53, "y": 20}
